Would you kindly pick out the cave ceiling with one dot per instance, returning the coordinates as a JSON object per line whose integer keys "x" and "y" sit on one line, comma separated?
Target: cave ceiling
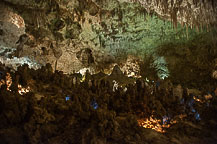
{"x": 77, "y": 34}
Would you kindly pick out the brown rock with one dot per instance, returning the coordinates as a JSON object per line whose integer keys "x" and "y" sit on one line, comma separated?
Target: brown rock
{"x": 216, "y": 92}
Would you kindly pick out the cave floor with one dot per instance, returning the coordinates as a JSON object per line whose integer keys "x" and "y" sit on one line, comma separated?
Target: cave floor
{"x": 46, "y": 107}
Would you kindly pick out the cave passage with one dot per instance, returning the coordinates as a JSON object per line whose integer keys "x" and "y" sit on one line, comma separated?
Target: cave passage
{"x": 108, "y": 71}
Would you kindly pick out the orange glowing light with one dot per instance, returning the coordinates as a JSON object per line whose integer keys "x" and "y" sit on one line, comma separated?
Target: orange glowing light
{"x": 22, "y": 90}
{"x": 198, "y": 100}
{"x": 155, "y": 124}
{"x": 208, "y": 97}
{"x": 2, "y": 82}
{"x": 152, "y": 123}
{"x": 8, "y": 81}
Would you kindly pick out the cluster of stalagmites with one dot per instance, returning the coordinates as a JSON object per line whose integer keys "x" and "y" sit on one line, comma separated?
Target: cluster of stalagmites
{"x": 60, "y": 109}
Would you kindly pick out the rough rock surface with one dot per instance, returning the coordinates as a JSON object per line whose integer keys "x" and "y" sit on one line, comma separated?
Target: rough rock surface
{"x": 189, "y": 12}
{"x": 57, "y": 110}
{"x": 96, "y": 35}
{"x": 12, "y": 26}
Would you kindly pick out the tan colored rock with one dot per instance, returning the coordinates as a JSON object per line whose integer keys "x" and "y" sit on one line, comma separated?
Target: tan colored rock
{"x": 12, "y": 26}
{"x": 195, "y": 92}
{"x": 214, "y": 74}
{"x": 178, "y": 92}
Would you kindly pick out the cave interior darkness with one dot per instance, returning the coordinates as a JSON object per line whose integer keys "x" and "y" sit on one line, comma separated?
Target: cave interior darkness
{"x": 108, "y": 71}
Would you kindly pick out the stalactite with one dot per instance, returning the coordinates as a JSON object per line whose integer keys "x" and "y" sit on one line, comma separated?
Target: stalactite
{"x": 187, "y": 31}
{"x": 172, "y": 2}
{"x": 173, "y": 16}
{"x": 202, "y": 10}
{"x": 182, "y": 24}
{"x": 207, "y": 27}
{"x": 37, "y": 23}
{"x": 198, "y": 28}
{"x": 201, "y": 27}
{"x": 157, "y": 3}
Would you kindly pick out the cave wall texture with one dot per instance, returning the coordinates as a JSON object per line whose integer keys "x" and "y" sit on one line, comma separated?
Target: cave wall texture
{"x": 96, "y": 34}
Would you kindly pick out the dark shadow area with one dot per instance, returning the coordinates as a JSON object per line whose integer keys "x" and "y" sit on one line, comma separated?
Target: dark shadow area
{"x": 191, "y": 63}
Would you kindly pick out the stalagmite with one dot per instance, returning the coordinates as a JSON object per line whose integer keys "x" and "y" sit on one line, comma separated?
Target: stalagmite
{"x": 108, "y": 71}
